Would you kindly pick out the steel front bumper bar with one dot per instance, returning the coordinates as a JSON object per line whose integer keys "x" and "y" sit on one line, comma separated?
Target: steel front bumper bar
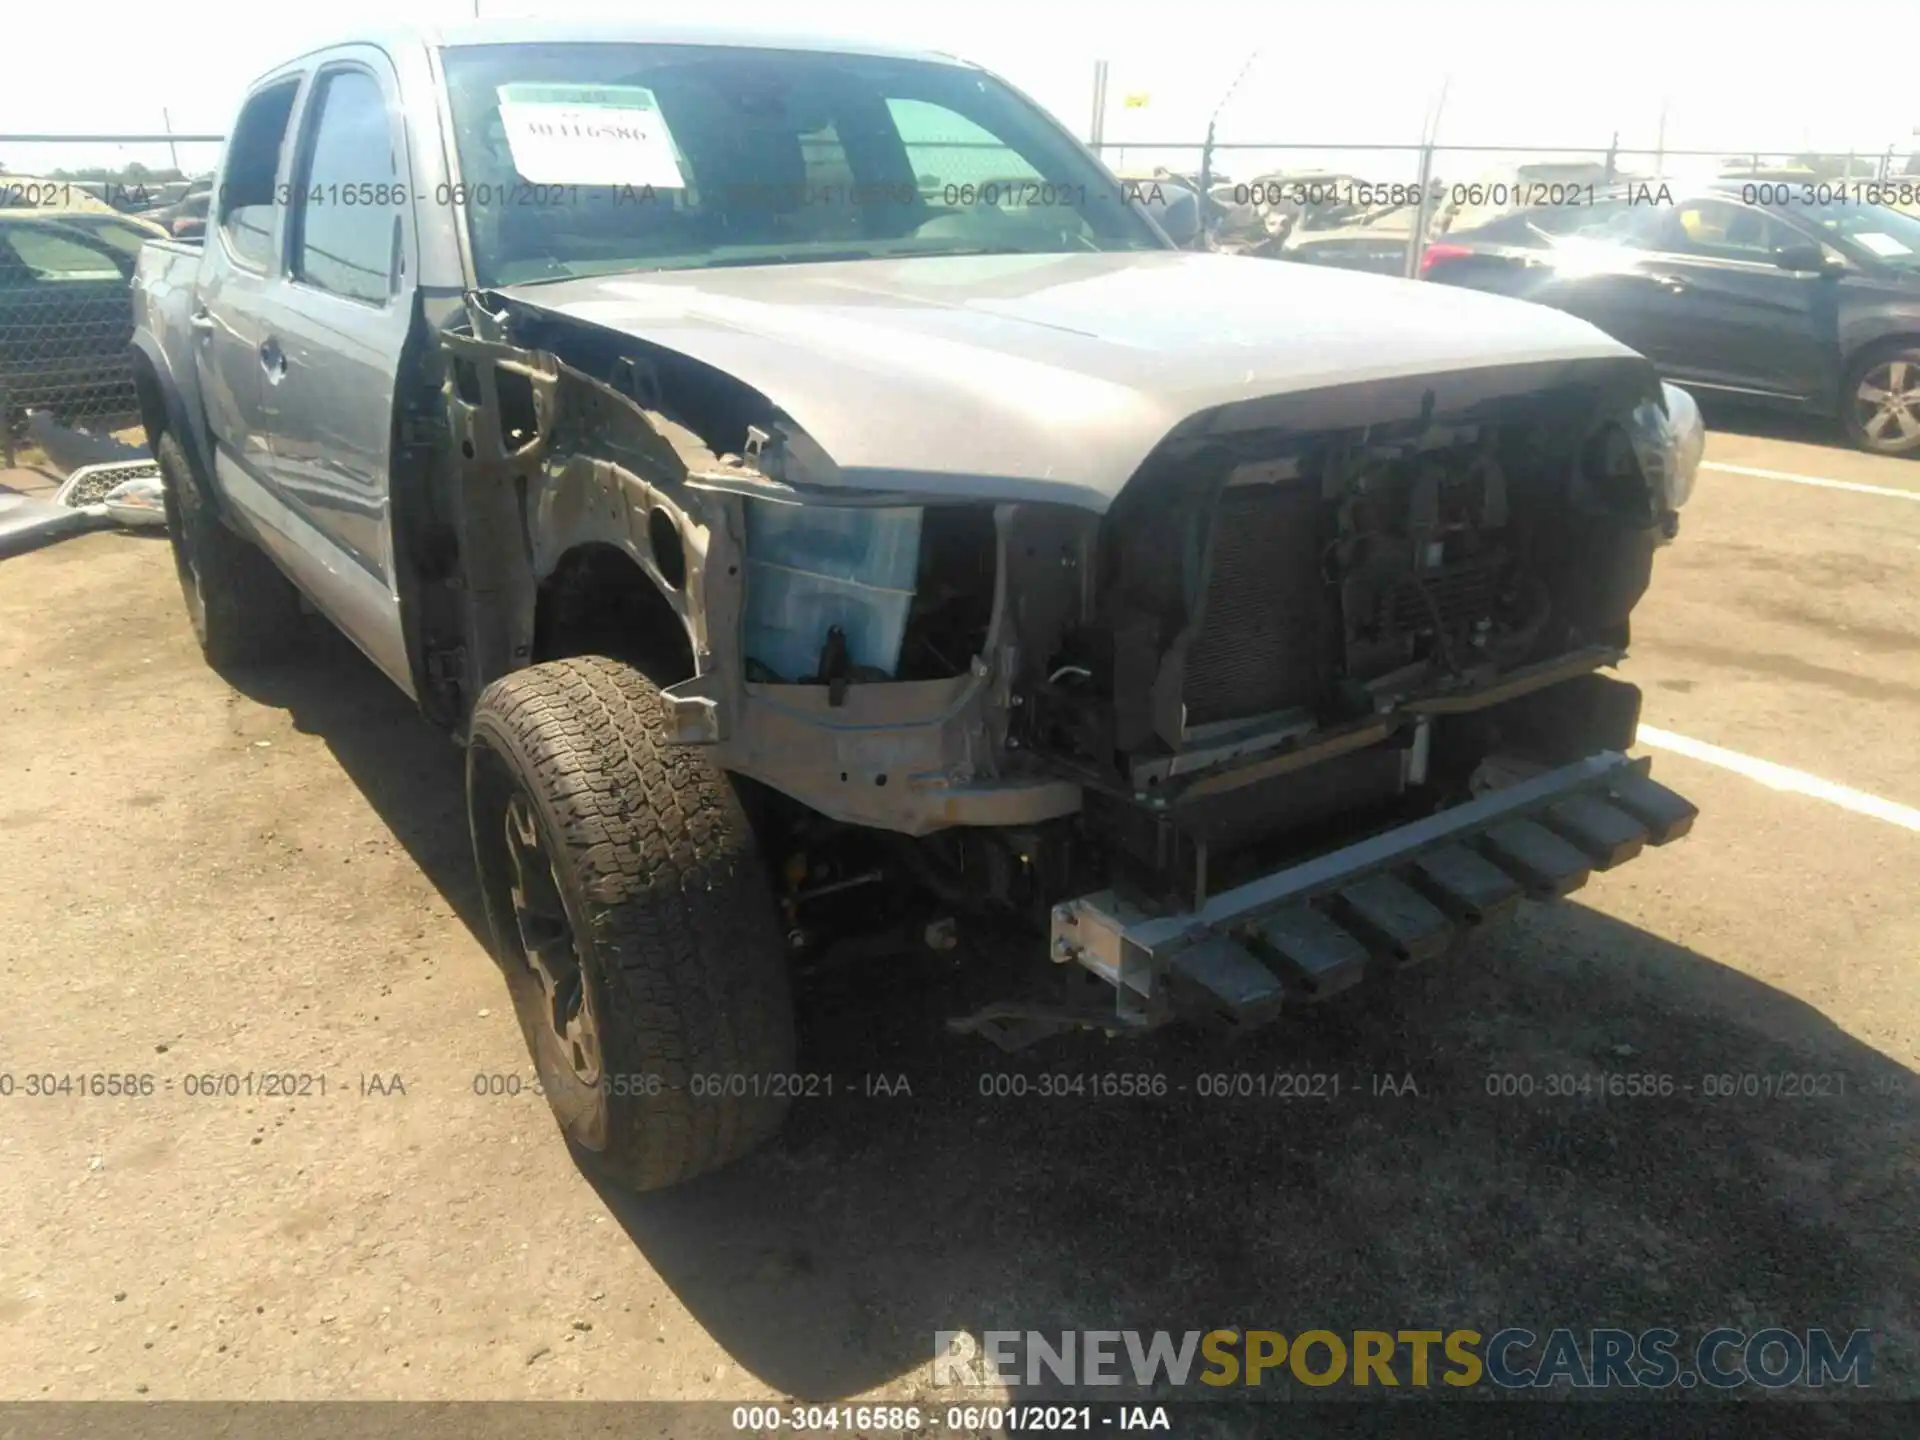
{"x": 1313, "y": 929}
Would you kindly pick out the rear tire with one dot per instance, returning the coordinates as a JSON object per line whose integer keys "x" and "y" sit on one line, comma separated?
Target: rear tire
{"x": 634, "y": 920}
{"x": 242, "y": 609}
{"x": 1880, "y": 402}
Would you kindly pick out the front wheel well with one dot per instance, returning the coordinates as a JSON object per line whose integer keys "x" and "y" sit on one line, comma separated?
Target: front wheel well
{"x": 1858, "y": 357}
{"x": 598, "y": 601}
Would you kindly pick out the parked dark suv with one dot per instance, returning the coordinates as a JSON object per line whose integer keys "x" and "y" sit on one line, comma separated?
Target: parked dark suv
{"x": 1787, "y": 294}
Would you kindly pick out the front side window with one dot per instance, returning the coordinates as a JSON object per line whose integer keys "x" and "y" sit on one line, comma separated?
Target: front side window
{"x": 591, "y": 159}
{"x": 348, "y": 199}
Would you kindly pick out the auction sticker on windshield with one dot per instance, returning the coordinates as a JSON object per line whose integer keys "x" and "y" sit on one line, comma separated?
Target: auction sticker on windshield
{"x": 588, "y": 135}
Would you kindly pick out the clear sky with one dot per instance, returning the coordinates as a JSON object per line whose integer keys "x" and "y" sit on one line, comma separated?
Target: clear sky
{"x": 1733, "y": 76}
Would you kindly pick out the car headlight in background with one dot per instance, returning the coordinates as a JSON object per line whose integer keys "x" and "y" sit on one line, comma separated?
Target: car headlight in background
{"x": 1669, "y": 439}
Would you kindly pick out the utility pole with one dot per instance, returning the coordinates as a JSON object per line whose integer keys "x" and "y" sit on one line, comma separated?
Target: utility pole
{"x": 173, "y": 150}
{"x": 1097, "y": 131}
{"x": 1423, "y": 212}
{"x": 1660, "y": 141}
{"x": 1205, "y": 197}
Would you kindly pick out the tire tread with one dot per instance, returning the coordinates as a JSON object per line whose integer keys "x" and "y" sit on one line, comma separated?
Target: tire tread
{"x": 681, "y": 914}
{"x": 250, "y": 611}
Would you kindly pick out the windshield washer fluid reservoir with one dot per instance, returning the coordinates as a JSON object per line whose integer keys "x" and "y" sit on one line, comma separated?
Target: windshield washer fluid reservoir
{"x": 811, "y": 567}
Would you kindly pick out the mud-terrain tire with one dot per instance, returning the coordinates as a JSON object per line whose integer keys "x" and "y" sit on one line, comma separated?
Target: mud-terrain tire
{"x": 635, "y": 922}
{"x": 1879, "y": 369}
{"x": 242, "y": 609}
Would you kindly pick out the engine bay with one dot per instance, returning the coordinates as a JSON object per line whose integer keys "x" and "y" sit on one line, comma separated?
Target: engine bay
{"x": 1337, "y": 575}
{"x": 1425, "y": 565}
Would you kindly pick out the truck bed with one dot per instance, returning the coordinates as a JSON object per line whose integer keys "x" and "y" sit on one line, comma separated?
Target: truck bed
{"x": 164, "y": 280}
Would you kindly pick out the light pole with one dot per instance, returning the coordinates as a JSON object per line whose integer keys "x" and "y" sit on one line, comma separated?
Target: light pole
{"x": 1205, "y": 197}
{"x": 1097, "y": 132}
{"x": 1422, "y": 212}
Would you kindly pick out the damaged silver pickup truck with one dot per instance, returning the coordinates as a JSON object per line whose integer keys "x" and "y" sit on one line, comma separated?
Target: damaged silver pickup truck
{"x": 800, "y": 471}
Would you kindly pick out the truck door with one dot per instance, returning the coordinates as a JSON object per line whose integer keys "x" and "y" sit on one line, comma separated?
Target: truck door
{"x": 334, "y": 328}
{"x": 236, "y": 272}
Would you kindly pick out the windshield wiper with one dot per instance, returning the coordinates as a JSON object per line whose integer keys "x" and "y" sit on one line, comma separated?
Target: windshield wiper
{"x": 971, "y": 250}
{"x": 831, "y": 256}
{"x": 786, "y": 257}
{"x": 652, "y": 266}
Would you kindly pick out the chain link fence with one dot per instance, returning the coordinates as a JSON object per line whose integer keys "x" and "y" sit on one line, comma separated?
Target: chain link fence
{"x": 74, "y": 212}
{"x": 1378, "y": 207}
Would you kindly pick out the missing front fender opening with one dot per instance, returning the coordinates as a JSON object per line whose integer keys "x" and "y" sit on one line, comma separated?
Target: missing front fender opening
{"x": 519, "y": 415}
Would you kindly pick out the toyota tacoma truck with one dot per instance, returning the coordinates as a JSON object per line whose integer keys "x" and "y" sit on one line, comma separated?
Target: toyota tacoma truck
{"x": 793, "y": 469}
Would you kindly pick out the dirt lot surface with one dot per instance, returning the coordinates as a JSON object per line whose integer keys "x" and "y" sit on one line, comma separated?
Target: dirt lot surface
{"x": 200, "y": 881}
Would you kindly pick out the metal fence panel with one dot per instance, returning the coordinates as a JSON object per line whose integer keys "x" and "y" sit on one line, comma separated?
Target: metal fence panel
{"x": 74, "y": 212}
{"x": 1406, "y": 196}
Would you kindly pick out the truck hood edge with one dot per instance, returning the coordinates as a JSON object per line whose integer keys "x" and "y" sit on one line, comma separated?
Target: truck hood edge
{"x": 1053, "y": 377}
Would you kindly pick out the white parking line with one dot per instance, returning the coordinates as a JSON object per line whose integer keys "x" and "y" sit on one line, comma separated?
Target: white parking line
{"x": 1816, "y": 480}
{"x": 1779, "y": 777}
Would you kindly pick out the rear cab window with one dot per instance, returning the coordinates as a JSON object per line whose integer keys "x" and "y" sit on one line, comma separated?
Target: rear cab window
{"x": 245, "y": 213}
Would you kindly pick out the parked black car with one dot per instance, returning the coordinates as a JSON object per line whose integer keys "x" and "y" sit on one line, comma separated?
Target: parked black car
{"x": 1765, "y": 292}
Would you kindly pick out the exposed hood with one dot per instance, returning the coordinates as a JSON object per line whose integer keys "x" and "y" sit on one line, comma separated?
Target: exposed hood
{"x": 1052, "y": 377}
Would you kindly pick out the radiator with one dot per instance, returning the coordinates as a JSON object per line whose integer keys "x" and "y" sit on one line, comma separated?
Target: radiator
{"x": 1462, "y": 592}
{"x": 1262, "y": 644}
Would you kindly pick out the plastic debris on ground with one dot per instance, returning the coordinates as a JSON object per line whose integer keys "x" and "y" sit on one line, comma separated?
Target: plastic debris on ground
{"x": 27, "y": 523}
{"x": 128, "y": 492}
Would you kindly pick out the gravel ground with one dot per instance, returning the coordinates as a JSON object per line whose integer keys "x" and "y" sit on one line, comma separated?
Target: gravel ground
{"x": 202, "y": 881}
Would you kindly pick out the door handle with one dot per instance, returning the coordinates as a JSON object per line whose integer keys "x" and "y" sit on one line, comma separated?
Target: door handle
{"x": 202, "y": 322}
{"x": 1672, "y": 284}
{"x": 273, "y": 360}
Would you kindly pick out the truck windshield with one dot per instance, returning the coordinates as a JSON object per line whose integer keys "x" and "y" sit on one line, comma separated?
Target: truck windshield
{"x": 581, "y": 159}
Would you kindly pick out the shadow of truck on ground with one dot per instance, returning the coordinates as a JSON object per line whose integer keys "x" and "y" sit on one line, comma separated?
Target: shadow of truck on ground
{"x": 1411, "y": 1198}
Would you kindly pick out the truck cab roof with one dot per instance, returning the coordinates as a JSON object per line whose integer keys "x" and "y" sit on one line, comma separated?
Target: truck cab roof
{"x": 566, "y": 31}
